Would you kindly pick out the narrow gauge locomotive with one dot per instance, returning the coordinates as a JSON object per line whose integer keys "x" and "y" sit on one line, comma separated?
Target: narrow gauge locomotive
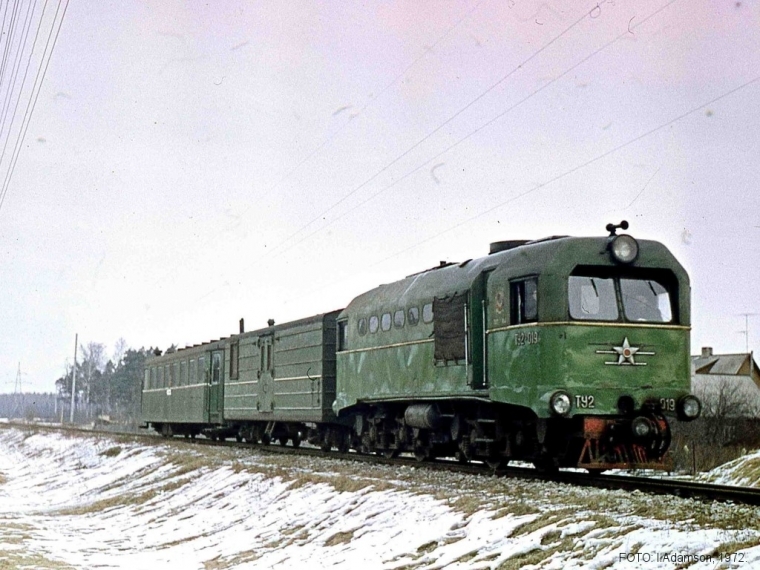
{"x": 564, "y": 351}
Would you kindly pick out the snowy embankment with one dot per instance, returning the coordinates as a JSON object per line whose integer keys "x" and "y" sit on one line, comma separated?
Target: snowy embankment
{"x": 73, "y": 501}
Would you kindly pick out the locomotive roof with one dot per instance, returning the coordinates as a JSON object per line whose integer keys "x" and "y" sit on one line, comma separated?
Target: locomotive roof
{"x": 555, "y": 255}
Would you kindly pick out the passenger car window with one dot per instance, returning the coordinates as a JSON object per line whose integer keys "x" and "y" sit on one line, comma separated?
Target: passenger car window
{"x": 373, "y": 324}
{"x": 414, "y": 316}
{"x": 385, "y": 322}
{"x": 216, "y": 368}
{"x": 398, "y": 319}
{"x": 234, "y": 359}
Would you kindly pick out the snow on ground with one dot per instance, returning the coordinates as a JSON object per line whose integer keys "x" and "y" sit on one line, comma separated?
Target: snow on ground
{"x": 83, "y": 501}
{"x": 744, "y": 471}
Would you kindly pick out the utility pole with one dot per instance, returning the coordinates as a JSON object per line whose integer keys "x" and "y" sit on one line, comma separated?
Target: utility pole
{"x": 74, "y": 379}
{"x": 17, "y": 394}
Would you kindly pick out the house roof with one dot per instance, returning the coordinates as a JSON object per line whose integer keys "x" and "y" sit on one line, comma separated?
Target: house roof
{"x": 741, "y": 365}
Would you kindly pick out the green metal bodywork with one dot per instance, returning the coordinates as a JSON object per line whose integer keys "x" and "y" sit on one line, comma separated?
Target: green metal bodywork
{"x": 518, "y": 364}
{"x": 296, "y": 382}
{"x": 182, "y": 398}
{"x": 294, "y": 379}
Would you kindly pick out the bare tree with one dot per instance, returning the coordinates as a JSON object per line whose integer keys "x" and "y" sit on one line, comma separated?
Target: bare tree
{"x": 727, "y": 406}
{"x": 119, "y": 349}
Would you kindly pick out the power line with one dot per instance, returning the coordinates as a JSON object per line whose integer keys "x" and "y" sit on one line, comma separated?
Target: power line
{"x": 35, "y": 90}
{"x": 561, "y": 176}
{"x": 327, "y": 141}
{"x": 439, "y": 127}
{"x": 484, "y": 125}
{"x": 593, "y": 14}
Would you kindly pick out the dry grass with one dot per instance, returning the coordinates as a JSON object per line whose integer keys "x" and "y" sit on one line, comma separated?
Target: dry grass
{"x": 223, "y": 563}
{"x": 750, "y": 471}
{"x": 537, "y": 555}
{"x": 340, "y": 538}
{"x": 111, "y": 451}
{"x": 427, "y": 548}
{"x": 466, "y": 557}
{"x": 543, "y": 521}
{"x": 3, "y": 479}
{"x": 14, "y": 560}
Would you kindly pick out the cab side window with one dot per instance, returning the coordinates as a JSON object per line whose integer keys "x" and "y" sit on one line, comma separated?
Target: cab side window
{"x": 524, "y": 301}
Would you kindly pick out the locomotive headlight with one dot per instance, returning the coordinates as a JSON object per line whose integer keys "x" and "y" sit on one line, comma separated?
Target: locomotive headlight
{"x": 689, "y": 408}
{"x": 560, "y": 403}
{"x": 624, "y": 248}
{"x": 641, "y": 427}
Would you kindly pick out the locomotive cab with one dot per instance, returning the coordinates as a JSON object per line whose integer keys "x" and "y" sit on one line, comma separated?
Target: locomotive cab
{"x": 596, "y": 343}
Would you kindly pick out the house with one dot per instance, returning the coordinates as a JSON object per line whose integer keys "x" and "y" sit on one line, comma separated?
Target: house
{"x": 727, "y": 384}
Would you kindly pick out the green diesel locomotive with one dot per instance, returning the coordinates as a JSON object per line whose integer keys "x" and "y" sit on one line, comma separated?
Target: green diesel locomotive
{"x": 565, "y": 351}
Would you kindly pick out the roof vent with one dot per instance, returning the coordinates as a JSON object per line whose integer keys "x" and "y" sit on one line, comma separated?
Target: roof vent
{"x": 707, "y": 351}
{"x": 498, "y": 246}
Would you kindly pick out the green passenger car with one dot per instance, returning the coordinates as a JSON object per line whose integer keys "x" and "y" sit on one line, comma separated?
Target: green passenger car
{"x": 183, "y": 389}
{"x": 258, "y": 386}
{"x": 564, "y": 351}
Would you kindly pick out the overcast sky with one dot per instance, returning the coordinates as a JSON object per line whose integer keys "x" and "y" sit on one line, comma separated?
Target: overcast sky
{"x": 192, "y": 163}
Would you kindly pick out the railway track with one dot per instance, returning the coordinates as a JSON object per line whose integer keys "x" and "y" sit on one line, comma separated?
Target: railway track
{"x": 678, "y": 488}
{"x": 656, "y": 486}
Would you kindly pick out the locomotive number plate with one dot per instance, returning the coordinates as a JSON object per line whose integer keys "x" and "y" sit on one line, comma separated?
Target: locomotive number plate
{"x": 668, "y": 404}
{"x": 523, "y": 338}
{"x": 585, "y": 402}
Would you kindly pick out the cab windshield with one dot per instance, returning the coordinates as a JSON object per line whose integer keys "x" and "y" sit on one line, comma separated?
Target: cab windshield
{"x": 617, "y": 298}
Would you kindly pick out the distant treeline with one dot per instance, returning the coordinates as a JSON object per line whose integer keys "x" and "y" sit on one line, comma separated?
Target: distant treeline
{"x": 29, "y": 406}
{"x": 106, "y": 388}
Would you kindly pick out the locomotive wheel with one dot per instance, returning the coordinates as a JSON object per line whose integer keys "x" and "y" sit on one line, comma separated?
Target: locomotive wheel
{"x": 390, "y": 453}
{"x": 545, "y": 465}
{"x": 266, "y": 439}
{"x": 325, "y": 439}
{"x": 421, "y": 453}
{"x": 296, "y": 440}
{"x": 461, "y": 457}
{"x": 497, "y": 463}
{"x": 283, "y": 439}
